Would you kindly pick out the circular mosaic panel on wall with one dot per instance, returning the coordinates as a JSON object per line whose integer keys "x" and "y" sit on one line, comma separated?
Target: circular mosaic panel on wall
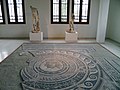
{"x": 60, "y": 70}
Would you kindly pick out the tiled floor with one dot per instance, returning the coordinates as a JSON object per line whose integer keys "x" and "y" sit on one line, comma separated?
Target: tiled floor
{"x": 7, "y": 46}
{"x": 112, "y": 46}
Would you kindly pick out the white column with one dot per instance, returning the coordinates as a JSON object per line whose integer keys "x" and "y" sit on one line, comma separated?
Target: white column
{"x": 102, "y": 20}
{"x": 70, "y": 9}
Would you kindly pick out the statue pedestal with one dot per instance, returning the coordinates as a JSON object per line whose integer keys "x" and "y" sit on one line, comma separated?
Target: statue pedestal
{"x": 71, "y": 37}
{"x": 36, "y": 36}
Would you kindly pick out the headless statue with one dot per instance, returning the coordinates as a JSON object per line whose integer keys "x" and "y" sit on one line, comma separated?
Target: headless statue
{"x": 35, "y": 20}
{"x": 71, "y": 24}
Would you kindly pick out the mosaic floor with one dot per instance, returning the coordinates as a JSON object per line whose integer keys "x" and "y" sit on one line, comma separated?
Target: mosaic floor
{"x": 61, "y": 67}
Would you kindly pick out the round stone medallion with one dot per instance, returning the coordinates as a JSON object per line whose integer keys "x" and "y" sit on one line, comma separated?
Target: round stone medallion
{"x": 51, "y": 65}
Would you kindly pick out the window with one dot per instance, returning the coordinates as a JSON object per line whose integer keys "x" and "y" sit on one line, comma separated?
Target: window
{"x": 81, "y": 10}
{"x": 15, "y": 9}
{"x": 2, "y": 18}
{"x": 59, "y": 11}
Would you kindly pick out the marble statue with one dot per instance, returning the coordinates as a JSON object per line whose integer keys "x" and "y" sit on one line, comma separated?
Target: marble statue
{"x": 71, "y": 24}
{"x": 35, "y": 20}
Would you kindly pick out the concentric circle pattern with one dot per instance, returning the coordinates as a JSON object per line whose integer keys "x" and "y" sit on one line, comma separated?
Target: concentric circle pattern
{"x": 60, "y": 70}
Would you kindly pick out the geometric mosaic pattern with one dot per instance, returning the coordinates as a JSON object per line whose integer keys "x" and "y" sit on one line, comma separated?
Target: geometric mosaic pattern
{"x": 60, "y": 70}
{"x": 43, "y": 66}
{"x": 68, "y": 69}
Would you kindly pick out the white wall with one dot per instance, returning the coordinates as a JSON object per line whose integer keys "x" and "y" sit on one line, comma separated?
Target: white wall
{"x": 102, "y": 20}
{"x": 49, "y": 30}
{"x": 113, "y": 28}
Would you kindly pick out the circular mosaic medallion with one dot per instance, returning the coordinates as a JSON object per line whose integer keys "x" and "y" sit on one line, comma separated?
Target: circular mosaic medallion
{"x": 59, "y": 70}
{"x": 51, "y": 65}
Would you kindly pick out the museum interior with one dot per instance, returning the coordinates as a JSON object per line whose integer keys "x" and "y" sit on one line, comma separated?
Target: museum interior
{"x": 59, "y": 44}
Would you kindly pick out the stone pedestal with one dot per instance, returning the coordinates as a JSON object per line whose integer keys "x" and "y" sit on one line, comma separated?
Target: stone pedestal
{"x": 36, "y": 36}
{"x": 71, "y": 37}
